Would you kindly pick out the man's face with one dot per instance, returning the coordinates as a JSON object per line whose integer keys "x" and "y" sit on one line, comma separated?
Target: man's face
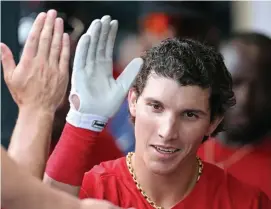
{"x": 170, "y": 123}
{"x": 249, "y": 85}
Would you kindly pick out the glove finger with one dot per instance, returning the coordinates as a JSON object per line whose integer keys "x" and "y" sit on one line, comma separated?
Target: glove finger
{"x": 82, "y": 52}
{"x": 129, "y": 74}
{"x": 91, "y": 27}
{"x": 95, "y": 34}
{"x": 103, "y": 37}
{"x": 111, "y": 39}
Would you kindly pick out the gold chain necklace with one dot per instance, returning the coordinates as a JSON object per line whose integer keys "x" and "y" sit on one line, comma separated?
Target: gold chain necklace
{"x": 132, "y": 172}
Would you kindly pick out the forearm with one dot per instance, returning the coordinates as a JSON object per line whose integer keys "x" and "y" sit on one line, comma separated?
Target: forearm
{"x": 20, "y": 190}
{"x": 77, "y": 151}
{"x": 71, "y": 158}
{"x": 41, "y": 196}
{"x": 31, "y": 139}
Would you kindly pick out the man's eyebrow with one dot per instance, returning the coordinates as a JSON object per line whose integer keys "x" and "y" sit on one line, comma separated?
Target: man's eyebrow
{"x": 194, "y": 110}
{"x": 152, "y": 99}
{"x": 198, "y": 111}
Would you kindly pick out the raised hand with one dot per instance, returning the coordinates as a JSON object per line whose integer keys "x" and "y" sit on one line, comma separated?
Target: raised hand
{"x": 96, "y": 95}
{"x": 40, "y": 79}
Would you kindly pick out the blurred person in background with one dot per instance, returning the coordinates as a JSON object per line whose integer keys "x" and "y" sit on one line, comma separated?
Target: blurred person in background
{"x": 244, "y": 149}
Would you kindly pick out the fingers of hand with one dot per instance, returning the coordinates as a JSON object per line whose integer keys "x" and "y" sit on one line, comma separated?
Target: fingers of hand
{"x": 65, "y": 54}
{"x": 7, "y": 61}
{"x": 91, "y": 27}
{"x": 100, "y": 54}
{"x": 32, "y": 42}
{"x": 95, "y": 34}
{"x": 111, "y": 39}
{"x": 46, "y": 35}
{"x": 56, "y": 42}
{"x": 128, "y": 76}
{"x": 81, "y": 52}
{"x": 103, "y": 34}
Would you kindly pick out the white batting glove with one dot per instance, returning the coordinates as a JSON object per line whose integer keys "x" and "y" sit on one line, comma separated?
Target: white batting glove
{"x": 100, "y": 95}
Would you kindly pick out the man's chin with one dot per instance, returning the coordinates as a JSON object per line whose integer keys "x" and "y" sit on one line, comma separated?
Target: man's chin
{"x": 162, "y": 171}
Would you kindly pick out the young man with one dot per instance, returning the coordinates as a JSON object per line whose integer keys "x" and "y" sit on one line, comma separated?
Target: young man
{"x": 178, "y": 99}
{"x": 244, "y": 149}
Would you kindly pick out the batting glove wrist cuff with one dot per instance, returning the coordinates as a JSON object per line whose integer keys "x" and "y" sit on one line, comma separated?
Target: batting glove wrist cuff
{"x": 86, "y": 121}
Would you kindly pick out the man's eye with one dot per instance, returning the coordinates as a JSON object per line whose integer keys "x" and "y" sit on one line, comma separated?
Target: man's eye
{"x": 156, "y": 107}
{"x": 190, "y": 115}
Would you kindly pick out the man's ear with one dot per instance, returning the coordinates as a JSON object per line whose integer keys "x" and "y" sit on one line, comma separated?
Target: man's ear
{"x": 214, "y": 124}
{"x": 132, "y": 99}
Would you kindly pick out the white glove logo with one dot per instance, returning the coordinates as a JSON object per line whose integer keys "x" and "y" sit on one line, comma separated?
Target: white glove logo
{"x": 99, "y": 93}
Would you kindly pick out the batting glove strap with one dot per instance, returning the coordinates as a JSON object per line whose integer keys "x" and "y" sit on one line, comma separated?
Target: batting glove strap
{"x": 87, "y": 121}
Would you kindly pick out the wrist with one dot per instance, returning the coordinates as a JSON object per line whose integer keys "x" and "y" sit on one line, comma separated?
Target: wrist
{"x": 36, "y": 112}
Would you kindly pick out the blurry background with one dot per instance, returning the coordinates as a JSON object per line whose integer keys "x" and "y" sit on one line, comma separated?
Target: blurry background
{"x": 141, "y": 25}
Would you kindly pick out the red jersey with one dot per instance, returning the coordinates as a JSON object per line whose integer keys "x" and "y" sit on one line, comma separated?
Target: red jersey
{"x": 250, "y": 164}
{"x": 215, "y": 190}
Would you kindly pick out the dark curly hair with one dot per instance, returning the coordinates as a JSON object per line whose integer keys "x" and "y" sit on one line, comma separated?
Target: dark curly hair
{"x": 190, "y": 63}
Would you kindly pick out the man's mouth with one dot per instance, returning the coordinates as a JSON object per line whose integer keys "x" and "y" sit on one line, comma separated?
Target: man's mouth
{"x": 165, "y": 150}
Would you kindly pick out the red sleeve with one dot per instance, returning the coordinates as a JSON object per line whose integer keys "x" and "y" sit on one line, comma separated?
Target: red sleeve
{"x": 77, "y": 151}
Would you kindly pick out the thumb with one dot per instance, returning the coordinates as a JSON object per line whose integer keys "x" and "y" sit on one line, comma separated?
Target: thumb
{"x": 129, "y": 74}
{"x": 7, "y": 60}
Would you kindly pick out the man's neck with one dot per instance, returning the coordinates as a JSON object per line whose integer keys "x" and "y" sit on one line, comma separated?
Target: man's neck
{"x": 172, "y": 188}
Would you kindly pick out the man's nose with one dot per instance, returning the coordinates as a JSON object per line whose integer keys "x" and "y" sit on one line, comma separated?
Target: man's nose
{"x": 168, "y": 128}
